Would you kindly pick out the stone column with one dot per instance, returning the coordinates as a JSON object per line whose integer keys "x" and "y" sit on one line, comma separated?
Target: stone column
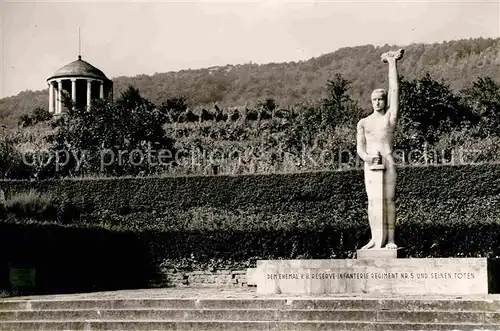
{"x": 73, "y": 90}
{"x": 59, "y": 97}
{"x": 101, "y": 91}
{"x": 89, "y": 88}
{"x": 51, "y": 97}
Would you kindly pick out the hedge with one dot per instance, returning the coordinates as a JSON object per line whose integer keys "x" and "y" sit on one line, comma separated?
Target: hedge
{"x": 231, "y": 221}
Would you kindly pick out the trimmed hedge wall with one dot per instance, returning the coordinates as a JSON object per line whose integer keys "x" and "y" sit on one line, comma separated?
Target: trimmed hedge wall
{"x": 228, "y": 222}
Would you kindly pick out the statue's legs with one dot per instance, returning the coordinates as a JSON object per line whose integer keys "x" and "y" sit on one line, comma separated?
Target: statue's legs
{"x": 390, "y": 206}
{"x": 375, "y": 200}
{"x": 371, "y": 221}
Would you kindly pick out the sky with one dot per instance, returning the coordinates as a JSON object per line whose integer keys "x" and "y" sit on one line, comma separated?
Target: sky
{"x": 129, "y": 38}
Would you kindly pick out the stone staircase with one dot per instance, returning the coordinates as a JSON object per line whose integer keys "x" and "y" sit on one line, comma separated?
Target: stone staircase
{"x": 252, "y": 313}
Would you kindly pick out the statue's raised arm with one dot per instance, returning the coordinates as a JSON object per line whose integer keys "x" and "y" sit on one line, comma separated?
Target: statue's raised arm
{"x": 393, "y": 93}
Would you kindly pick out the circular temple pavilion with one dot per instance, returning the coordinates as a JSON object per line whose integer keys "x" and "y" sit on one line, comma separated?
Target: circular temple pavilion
{"x": 80, "y": 80}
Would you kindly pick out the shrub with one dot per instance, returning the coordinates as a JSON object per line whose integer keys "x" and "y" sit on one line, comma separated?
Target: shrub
{"x": 31, "y": 205}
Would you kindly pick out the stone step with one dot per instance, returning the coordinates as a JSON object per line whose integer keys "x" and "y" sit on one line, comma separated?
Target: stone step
{"x": 82, "y": 315}
{"x": 236, "y": 326}
{"x": 480, "y": 305}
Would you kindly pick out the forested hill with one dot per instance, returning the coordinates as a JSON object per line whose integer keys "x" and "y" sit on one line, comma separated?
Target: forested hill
{"x": 457, "y": 62}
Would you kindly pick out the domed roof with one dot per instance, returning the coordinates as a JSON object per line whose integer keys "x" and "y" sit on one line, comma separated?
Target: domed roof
{"x": 79, "y": 68}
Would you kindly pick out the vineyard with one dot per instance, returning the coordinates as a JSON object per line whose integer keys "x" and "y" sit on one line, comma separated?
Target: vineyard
{"x": 260, "y": 141}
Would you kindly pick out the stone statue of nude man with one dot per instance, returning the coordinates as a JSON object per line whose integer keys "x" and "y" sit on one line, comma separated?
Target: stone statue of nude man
{"x": 375, "y": 135}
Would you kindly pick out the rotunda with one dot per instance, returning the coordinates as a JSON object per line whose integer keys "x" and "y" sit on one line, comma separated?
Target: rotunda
{"x": 80, "y": 80}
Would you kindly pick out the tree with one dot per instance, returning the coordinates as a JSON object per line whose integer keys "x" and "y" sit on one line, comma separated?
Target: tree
{"x": 38, "y": 115}
{"x": 12, "y": 165}
{"x": 483, "y": 97}
{"x": 41, "y": 115}
{"x": 121, "y": 138}
{"x": 338, "y": 107}
{"x": 429, "y": 108}
{"x": 268, "y": 104}
{"x": 172, "y": 108}
{"x": 207, "y": 116}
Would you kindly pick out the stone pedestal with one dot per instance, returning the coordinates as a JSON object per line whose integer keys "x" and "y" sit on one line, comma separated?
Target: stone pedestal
{"x": 382, "y": 253}
{"x": 382, "y": 276}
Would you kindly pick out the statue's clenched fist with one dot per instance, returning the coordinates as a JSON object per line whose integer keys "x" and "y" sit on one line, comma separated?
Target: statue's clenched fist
{"x": 392, "y": 55}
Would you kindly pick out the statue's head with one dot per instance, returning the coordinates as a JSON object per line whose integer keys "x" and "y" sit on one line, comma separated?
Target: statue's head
{"x": 379, "y": 100}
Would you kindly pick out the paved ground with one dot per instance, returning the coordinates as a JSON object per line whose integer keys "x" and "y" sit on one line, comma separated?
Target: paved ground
{"x": 221, "y": 293}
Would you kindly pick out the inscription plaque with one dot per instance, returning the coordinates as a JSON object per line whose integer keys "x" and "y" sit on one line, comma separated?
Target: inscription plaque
{"x": 432, "y": 276}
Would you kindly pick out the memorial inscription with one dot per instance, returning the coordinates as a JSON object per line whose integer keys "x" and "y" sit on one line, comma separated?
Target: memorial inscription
{"x": 374, "y": 275}
{"x": 389, "y": 276}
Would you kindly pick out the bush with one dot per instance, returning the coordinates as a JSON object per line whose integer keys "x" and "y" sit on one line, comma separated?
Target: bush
{"x": 31, "y": 205}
